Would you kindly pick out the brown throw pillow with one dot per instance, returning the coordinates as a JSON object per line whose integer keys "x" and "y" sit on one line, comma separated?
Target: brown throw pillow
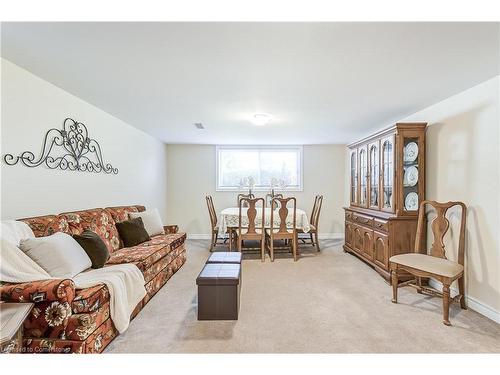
{"x": 132, "y": 232}
{"x": 94, "y": 246}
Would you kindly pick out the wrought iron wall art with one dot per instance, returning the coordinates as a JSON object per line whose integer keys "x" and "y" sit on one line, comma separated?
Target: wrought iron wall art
{"x": 76, "y": 151}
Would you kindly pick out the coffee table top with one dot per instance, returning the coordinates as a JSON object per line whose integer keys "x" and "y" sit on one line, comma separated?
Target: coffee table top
{"x": 12, "y": 316}
{"x": 225, "y": 257}
{"x": 219, "y": 274}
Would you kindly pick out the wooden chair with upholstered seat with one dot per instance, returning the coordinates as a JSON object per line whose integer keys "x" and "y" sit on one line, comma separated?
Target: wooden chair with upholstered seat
{"x": 250, "y": 231}
{"x": 435, "y": 265}
{"x": 314, "y": 222}
{"x": 213, "y": 222}
{"x": 289, "y": 235}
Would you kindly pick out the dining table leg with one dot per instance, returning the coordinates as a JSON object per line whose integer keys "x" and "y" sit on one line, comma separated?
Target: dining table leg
{"x": 230, "y": 239}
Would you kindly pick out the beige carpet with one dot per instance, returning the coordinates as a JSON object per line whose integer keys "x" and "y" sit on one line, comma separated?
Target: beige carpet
{"x": 326, "y": 302}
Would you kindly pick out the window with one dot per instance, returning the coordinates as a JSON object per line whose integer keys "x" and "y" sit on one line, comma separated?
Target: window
{"x": 281, "y": 165}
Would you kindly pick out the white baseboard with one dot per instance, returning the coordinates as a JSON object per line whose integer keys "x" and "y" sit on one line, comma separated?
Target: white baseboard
{"x": 472, "y": 303}
{"x": 198, "y": 236}
{"x": 322, "y": 236}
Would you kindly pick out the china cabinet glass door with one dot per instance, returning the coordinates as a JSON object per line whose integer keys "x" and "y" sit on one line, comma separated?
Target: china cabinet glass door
{"x": 374, "y": 175}
{"x": 363, "y": 177}
{"x": 410, "y": 176}
{"x": 354, "y": 177}
{"x": 387, "y": 174}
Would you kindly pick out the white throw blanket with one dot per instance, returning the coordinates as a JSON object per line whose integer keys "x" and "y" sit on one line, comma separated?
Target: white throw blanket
{"x": 125, "y": 282}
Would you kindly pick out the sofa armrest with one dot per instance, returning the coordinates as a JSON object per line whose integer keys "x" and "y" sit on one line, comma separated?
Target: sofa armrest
{"x": 171, "y": 229}
{"x": 59, "y": 290}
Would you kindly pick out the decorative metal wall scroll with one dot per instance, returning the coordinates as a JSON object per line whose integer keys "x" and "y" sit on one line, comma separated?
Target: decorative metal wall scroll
{"x": 76, "y": 151}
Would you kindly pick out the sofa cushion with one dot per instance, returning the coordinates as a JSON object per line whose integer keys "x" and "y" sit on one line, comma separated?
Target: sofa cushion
{"x": 148, "y": 253}
{"x": 161, "y": 278}
{"x": 173, "y": 239}
{"x": 143, "y": 255}
{"x": 90, "y": 299}
{"x": 46, "y": 225}
{"x": 121, "y": 213}
{"x": 164, "y": 262}
{"x": 97, "y": 220}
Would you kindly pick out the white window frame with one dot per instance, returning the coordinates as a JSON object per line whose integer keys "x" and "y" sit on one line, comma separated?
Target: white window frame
{"x": 298, "y": 148}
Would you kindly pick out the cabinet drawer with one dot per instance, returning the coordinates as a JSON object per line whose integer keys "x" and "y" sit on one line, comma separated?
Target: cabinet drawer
{"x": 361, "y": 219}
{"x": 348, "y": 216}
{"x": 381, "y": 225}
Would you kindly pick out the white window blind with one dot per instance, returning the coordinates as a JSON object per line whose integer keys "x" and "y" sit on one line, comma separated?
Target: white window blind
{"x": 237, "y": 166}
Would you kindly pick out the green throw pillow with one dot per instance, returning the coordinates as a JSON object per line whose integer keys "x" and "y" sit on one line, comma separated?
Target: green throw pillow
{"x": 132, "y": 232}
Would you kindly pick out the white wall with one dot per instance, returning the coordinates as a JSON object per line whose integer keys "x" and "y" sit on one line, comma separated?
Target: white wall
{"x": 30, "y": 106}
{"x": 191, "y": 175}
{"x": 463, "y": 164}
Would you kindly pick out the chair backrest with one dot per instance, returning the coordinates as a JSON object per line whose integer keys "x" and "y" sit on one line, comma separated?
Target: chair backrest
{"x": 318, "y": 202}
{"x": 440, "y": 226}
{"x": 269, "y": 199}
{"x": 283, "y": 213}
{"x": 251, "y": 216}
{"x": 211, "y": 211}
{"x": 240, "y": 196}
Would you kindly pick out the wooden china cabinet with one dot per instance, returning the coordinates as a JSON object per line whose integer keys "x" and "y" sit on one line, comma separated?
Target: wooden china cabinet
{"x": 387, "y": 184}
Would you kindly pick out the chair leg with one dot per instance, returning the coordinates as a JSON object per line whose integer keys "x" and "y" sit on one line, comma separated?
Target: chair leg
{"x": 419, "y": 284}
{"x": 446, "y": 304}
{"x": 263, "y": 249}
{"x": 230, "y": 240}
{"x": 394, "y": 279}
{"x": 212, "y": 242}
{"x": 294, "y": 249}
{"x": 316, "y": 240}
{"x": 271, "y": 248}
{"x": 239, "y": 242}
{"x": 461, "y": 290}
{"x": 312, "y": 240}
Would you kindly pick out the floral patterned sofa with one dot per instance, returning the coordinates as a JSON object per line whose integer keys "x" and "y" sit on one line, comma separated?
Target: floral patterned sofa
{"x": 69, "y": 320}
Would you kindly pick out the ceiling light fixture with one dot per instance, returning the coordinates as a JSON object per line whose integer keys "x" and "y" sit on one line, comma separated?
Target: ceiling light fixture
{"x": 261, "y": 119}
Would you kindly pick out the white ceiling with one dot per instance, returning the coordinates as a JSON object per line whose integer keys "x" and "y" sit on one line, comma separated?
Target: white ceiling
{"x": 323, "y": 82}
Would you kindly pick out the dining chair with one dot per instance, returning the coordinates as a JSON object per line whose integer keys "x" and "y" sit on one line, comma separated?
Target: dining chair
{"x": 213, "y": 222}
{"x": 314, "y": 222}
{"x": 434, "y": 265}
{"x": 251, "y": 231}
{"x": 283, "y": 232}
{"x": 250, "y": 195}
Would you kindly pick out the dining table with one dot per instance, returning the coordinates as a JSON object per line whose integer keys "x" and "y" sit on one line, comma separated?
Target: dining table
{"x": 229, "y": 219}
